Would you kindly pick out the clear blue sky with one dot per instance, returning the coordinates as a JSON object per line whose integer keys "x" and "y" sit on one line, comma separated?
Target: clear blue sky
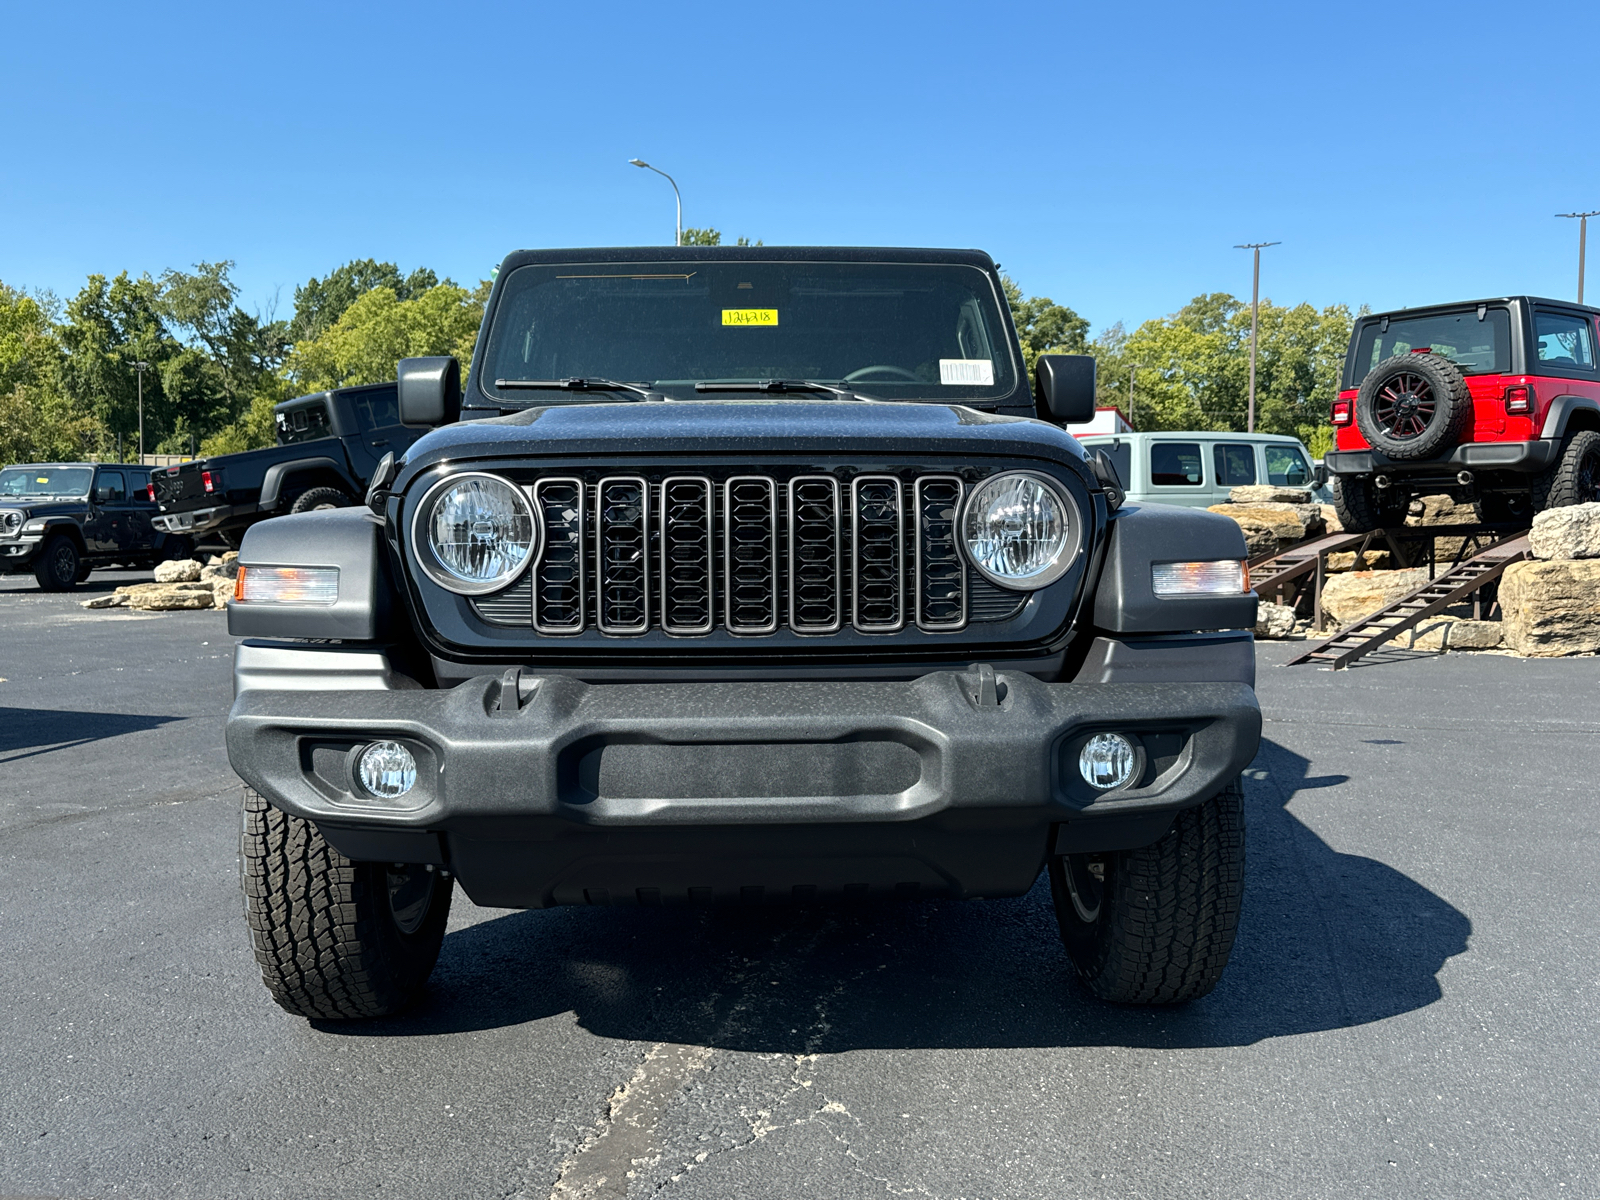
{"x": 1109, "y": 155}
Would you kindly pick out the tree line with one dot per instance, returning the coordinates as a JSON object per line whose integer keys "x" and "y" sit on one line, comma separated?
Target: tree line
{"x": 69, "y": 386}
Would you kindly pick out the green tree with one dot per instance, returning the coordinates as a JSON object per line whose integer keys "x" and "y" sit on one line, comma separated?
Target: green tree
{"x": 379, "y": 328}
{"x": 712, "y": 237}
{"x": 36, "y": 423}
{"x": 109, "y": 326}
{"x": 319, "y": 303}
{"x": 1043, "y": 326}
{"x": 231, "y": 353}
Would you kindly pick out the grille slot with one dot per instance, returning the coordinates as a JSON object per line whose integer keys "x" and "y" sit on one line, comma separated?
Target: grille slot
{"x": 941, "y": 576}
{"x": 816, "y": 584}
{"x": 750, "y": 551}
{"x": 622, "y": 555}
{"x": 877, "y": 541}
{"x": 559, "y": 602}
{"x": 688, "y": 521}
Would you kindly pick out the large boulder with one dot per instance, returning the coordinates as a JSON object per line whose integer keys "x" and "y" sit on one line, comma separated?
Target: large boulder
{"x": 1283, "y": 519}
{"x": 1330, "y": 519}
{"x": 225, "y": 566}
{"x": 1442, "y": 510}
{"x": 1266, "y": 493}
{"x": 1259, "y": 538}
{"x": 1274, "y": 620}
{"x": 1463, "y": 634}
{"x": 1551, "y": 608}
{"x": 1356, "y": 594}
{"x": 221, "y": 592}
{"x": 1345, "y": 560}
{"x": 1572, "y": 532}
{"x": 168, "y": 597}
{"x": 178, "y": 570}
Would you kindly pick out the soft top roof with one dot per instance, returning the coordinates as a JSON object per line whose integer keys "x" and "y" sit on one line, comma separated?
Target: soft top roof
{"x": 885, "y": 254}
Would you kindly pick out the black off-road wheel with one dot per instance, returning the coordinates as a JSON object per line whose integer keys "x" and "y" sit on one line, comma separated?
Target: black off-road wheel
{"x": 175, "y": 548}
{"x": 57, "y": 565}
{"x": 1574, "y": 478}
{"x": 1414, "y": 406}
{"x": 1363, "y": 507}
{"x": 1156, "y": 925}
{"x": 318, "y": 498}
{"x": 336, "y": 939}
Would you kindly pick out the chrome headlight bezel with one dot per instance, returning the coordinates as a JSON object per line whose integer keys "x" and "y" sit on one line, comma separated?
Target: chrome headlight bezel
{"x": 11, "y": 520}
{"x": 430, "y": 563}
{"x": 1060, "y": 563}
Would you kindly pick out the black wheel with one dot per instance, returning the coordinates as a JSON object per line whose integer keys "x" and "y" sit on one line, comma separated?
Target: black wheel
{"x": 317, "y": 498}
{"x": 1363, "y": 507}
{"x": 1414, "y": 406}
{"x": 1156, "y": 925}
{"x": 1575, "y": 476}
{"x": 58, "y": 564}
{"x": 335, "y": 938}
{"x": 83, "y": 571}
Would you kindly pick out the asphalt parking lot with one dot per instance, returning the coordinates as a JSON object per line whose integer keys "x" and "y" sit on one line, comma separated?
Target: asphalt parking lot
{"x": 1412, "y": 1009}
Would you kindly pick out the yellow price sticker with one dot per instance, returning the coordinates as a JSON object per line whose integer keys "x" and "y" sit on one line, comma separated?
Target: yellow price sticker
{"x": 749, "y": 316}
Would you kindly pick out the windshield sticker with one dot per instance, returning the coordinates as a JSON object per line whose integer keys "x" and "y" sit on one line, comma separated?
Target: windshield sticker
{"x": 969, "y": 372}
{"x": 749, "y": 316}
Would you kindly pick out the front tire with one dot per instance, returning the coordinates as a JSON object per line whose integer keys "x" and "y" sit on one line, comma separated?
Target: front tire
{"x": 336, "y": 939}
{"x": 58, "y": 565}
{"x": 1156, "y": 925}
{"x": 318, "y": 498}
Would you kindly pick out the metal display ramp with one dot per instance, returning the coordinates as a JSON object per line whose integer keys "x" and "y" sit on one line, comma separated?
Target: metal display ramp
{"x": 1463, "y": 578}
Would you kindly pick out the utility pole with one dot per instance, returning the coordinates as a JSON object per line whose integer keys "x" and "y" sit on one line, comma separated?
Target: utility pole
{"x": 639, "y": 162}
{"x": 1583, "y": 239}
{"x": 141, "y": 367}
{"x": 1133, "y": 369}
{"x": 1255, "y": 306}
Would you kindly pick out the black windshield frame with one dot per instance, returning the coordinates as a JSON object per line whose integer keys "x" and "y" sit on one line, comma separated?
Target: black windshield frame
{"x": 939, "y": 316}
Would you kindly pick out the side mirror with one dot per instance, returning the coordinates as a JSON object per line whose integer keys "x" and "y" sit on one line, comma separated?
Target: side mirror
{"x": 1063, "y": 385}
{"x": 102, "y": 494}
{"x": 429, "y": 391}
{"x": 1319, "y": 475}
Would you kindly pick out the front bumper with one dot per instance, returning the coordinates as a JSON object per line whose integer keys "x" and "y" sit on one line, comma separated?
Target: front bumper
{"x": 198, "y": 521}
{"x": 548, "y": 790}
{"x": 1521, "y": 457}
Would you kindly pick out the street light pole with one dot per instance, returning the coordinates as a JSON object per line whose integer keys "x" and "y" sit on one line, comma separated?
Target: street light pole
{"x": 141, "y": 367}
{"x": 639, "y": 162}
{"x": 1583, "y": 239}
{"x": 1255, "y": 306}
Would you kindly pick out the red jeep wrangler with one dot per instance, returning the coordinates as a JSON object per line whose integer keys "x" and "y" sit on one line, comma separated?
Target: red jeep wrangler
{"x": 1495, "y": 402}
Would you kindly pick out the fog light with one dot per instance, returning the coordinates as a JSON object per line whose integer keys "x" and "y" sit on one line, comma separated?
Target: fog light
{"x": 387, "y": 770}
{"x": 1106, "y": 761}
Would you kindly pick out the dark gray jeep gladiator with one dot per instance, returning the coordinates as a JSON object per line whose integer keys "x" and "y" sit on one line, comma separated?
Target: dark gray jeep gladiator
{"x": 741, "y": 574}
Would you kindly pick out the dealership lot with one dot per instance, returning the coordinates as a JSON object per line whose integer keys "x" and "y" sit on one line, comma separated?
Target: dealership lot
{"x": 1412, "y": 1008}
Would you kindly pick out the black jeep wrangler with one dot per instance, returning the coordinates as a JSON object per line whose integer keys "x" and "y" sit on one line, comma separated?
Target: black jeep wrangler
{"x": 62, "y": 520}
{"x": 745, "y": 574}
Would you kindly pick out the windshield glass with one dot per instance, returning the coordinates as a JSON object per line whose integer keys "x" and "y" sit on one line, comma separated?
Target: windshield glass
{"x": 1477, "y": 347}
{"x": 44, "y": 481}
{"x": 896, "y": 331}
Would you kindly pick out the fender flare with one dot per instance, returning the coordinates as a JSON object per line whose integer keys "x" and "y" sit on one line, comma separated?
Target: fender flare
{"x": 273, "y": 480}
{"x": 68, "y": 525}
{"x": 1561, "y": 410}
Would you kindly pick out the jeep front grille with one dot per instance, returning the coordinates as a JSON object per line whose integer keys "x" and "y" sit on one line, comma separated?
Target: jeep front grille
{"x": 749, "y": 554}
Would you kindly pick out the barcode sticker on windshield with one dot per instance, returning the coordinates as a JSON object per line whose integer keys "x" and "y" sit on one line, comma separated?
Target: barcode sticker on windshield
{"x": 749, "y": 316}
{"x": 972, "y": 372}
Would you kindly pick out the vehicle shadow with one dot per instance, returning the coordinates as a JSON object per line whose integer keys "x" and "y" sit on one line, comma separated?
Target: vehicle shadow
{"x": 40, "y": 730}
{"x": 1327, "y": 941}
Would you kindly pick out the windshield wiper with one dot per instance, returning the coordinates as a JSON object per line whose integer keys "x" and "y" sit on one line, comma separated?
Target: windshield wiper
{"x": 779, "y": 385}
{"x": 570, "y": 385}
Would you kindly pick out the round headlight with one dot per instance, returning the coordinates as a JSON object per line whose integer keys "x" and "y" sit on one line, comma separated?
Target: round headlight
{"x": 1020, "y": 531}
{"x": 474, "y": 533}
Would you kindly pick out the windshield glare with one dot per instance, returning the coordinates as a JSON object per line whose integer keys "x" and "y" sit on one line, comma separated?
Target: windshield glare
{"x": 890, "y": 330}
{"x": 1477, "y": 347}
{"x": 45, "y": 481}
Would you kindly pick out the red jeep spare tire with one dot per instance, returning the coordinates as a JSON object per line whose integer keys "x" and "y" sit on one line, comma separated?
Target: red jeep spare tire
{"x": 1414, "y": 406}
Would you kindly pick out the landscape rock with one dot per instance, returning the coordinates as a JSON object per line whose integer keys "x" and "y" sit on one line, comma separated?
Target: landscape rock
{"x": 1464, "y": 635}
{"x": 109, "y": 600}
{"x": 1356, "y": 594}
{"x": 1274, "y": 620}
{"x": 225, "y": 566}
{"x": 1567, "y": 533}
{"x": 1264, "y": 493}
{"x": 1259, "y": 538}
{"x": 165, "y": 598}
{"x": 181, "y": 570}
{"x": 1345, "y": 560}
{"x": 221, "y": 592}
{"x": 1282, "y": 519}
{"x": 1440, "y": 510}
{"x": 1551, "y": 608}
{"x": 1330, "y": 519}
